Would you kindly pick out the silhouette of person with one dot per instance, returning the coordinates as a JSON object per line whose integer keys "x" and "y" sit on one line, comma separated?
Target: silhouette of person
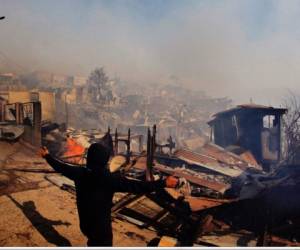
{"x": 95, "y": 187}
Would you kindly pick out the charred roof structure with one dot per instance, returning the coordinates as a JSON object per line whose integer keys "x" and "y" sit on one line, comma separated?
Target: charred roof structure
{"x": 250, "y": 127}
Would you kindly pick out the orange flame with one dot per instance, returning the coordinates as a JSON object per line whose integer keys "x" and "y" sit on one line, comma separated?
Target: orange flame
{"x": 74, "y": 152}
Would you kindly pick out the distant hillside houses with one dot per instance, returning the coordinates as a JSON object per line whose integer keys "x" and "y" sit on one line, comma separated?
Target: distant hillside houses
{"x": 10, "y": 81}
{"x": 50, "y": 80}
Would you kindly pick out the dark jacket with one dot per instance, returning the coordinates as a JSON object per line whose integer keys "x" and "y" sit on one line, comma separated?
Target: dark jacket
{"x": 94, "y": 190}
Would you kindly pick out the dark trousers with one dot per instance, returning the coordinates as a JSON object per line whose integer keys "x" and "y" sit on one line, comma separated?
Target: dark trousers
{"x": 100, "y": 241}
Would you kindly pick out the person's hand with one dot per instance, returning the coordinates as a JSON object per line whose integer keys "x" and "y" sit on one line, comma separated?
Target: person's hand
{"x": 43, "y": 152}
{"x": 171, "y": 182}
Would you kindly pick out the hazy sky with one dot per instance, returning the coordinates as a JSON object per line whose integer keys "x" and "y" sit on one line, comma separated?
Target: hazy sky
{"x": 241, "y": 49}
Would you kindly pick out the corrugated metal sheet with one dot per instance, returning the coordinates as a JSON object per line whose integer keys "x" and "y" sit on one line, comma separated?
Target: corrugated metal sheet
{"x": 208, "y": 162}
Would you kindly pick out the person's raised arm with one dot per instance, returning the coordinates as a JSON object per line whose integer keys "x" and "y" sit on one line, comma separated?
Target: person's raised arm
{"x": 70, "y": 171}
{"x": 122, "y": 184}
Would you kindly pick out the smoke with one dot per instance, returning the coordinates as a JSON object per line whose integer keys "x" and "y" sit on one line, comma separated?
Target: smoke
{"x": 240, "y": 49}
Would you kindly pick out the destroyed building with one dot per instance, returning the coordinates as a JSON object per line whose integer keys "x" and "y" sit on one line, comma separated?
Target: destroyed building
{"x": 47, "y": 98}
{"x": 23, "y": 113}
{"x": 250, "y": 127}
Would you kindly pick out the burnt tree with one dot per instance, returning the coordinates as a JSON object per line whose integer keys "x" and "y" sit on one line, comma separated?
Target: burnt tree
{"x": 98, "y": 84}
{"x": 291, "y": 127}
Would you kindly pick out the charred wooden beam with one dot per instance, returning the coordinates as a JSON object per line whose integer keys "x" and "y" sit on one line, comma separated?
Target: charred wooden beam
{"x": 150, "y": 153}
{"x": 124, "y": 201}
{"x": 153, "y": 140}
{"x": 128, "y": 147}
{"x": 116, "y": 141}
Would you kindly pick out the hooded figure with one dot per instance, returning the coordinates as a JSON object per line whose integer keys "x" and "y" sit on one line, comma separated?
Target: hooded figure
{"x": 97, "y": 157}
{"x": 95, "y": 187}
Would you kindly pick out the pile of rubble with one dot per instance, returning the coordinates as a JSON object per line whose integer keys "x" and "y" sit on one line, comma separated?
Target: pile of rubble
{"x": 224, "y": 199}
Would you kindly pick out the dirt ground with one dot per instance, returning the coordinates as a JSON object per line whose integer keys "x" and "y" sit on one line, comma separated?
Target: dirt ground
{"x": 34, "y": 212}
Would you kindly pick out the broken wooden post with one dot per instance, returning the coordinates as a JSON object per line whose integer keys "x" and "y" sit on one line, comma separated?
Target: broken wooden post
{"x": 171, "y": 144}
{"x": 116, "y": 141}
{"x": 128, "y": 147}
{"x": 154, "y": 138}
{"x": 149, "y": 176}
{"x": 148, "y": 156}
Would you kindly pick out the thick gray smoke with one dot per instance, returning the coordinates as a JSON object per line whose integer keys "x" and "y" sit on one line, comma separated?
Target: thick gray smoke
{"x": 240, "y": 49}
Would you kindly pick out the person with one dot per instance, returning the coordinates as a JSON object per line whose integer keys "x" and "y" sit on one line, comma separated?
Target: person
{"x": 95, "y": 186}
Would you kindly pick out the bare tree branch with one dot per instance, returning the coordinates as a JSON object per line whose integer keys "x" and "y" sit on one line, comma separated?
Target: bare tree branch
{"x": 291, "y": 126}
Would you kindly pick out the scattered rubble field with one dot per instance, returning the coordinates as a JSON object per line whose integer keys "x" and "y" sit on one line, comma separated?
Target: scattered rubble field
{"x": 223, "y": 200}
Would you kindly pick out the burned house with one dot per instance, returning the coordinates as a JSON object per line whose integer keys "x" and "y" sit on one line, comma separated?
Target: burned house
{"x": 47, "y": 98}
{"x": 22, "y": 114}
{"x": 250, "y": 127}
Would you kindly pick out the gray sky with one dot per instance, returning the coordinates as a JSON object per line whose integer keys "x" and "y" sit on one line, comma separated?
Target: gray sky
{"x": 240, "y": 49}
